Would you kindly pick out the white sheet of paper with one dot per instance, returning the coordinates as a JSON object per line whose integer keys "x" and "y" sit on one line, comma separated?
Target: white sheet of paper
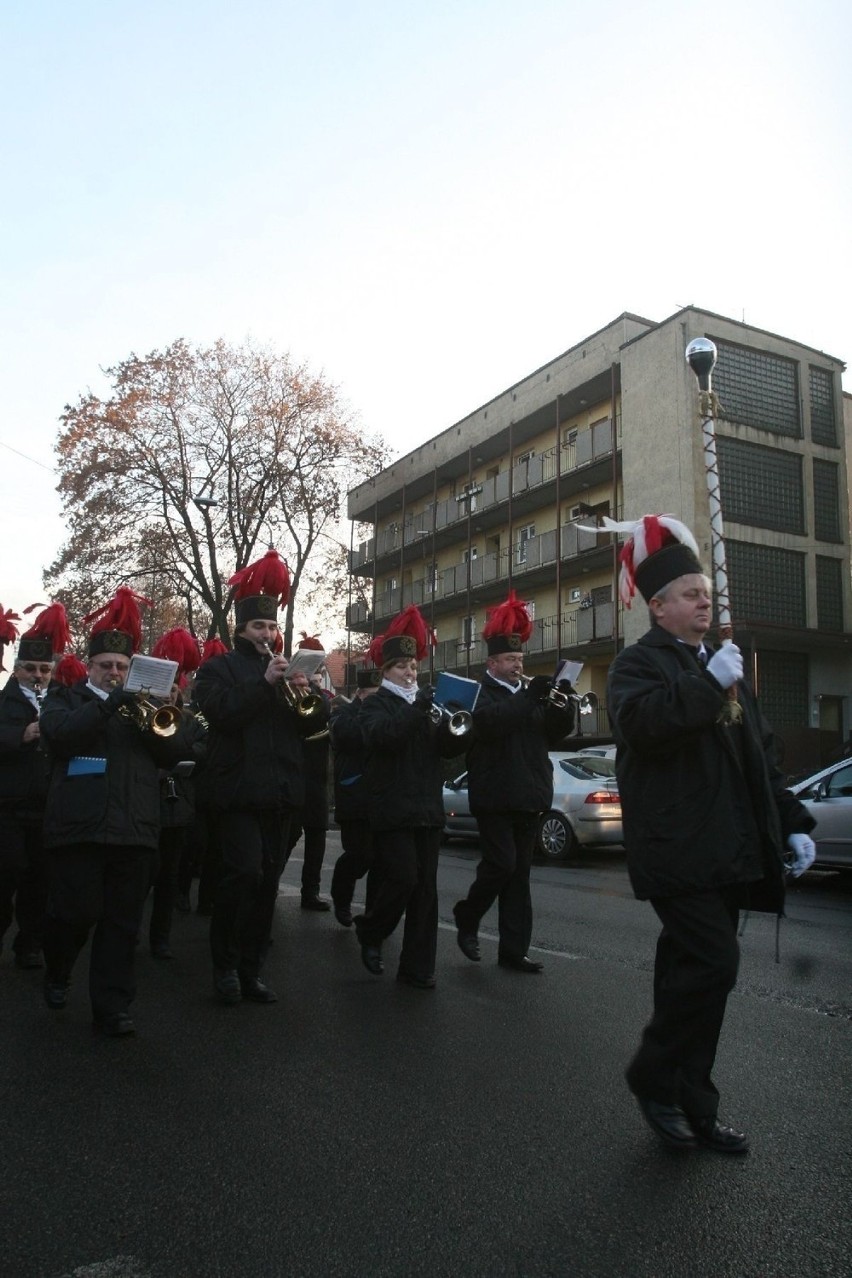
{"x": 305, "y": 661}
{"x": 569, "y": 670}
{"x": 151, "y": 674}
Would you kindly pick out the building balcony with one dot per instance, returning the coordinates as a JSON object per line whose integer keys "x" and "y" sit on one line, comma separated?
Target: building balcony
{"x": 585, "y": 462}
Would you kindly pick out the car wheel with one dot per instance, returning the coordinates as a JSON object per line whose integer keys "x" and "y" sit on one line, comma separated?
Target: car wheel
{"x": 556, "y": 839}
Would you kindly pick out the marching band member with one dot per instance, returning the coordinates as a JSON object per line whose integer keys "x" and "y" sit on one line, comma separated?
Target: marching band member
{"x": 350, "y": 798}
{"x": 255, "y": 777}
{"x": 23, "y": 783}
{"x": 102, "y": 819}
{"x": 706, "y": 820}
{"x": 312, "y": 818}
{"x": 404, "y": 749}
{"x": 177, "y": 794}
{"x": 510, "y": 783}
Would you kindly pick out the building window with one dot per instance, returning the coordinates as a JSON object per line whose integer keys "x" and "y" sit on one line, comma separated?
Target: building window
{"x": 826, "y": 501}
{"x": 823, "y": 418}
{"x": 761, "y": 486}
{"x": 525, "y": 535}
{"x": 784, "y": 689}
{"x": 766, "y": 584}
{"x": 525, "y": 457}
{"x": 468, "y": 632}
{"x": 758, "y": 389}
{"x": 469, "y": 555}
{"x": 829, "y": 593}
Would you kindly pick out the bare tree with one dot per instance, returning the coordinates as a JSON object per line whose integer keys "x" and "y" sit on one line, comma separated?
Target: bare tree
{"x": 197, "y": 460}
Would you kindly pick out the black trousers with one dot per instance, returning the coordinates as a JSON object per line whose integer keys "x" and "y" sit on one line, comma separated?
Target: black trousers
{"x": 314, "y": 851}
{"x": 102, "y": 886}
{"x": 354, "y": 862}
{"x": 507, "y": 842}
{"x": 165, "y": 886}
{"x": 407, "y": 861}
{"x": 253, "y": 848}
{"x": 23, "y": 879}
{"x": 694, "y": 971}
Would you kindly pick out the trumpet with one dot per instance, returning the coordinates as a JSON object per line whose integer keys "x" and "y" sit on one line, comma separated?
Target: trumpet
{"x": 459, "y": 722}
{"x": 302, "y": 700}
{"x": 586, "y": 704}
{"x": 162, "y": 721}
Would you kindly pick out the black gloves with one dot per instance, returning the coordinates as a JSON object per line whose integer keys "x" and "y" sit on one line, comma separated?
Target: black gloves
{"x": 539, "y": 688}
{"x": 118, "y": 698}
{"x": 425, "y": 697}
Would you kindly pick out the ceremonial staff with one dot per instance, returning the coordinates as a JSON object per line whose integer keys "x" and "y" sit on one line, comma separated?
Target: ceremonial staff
{"x": 701, "y": 358}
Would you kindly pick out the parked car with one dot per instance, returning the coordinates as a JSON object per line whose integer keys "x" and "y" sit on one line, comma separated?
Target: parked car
{"x": 586, "y": 807}
{"x": 828, "y": 797}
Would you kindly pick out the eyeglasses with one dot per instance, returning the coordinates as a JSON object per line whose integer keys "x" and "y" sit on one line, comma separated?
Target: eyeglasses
{"x": 121, "y": 666}
{"x": 31, "y": 668}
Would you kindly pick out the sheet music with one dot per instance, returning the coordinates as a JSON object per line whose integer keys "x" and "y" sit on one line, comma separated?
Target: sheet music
{"x": 569, "y": 670}
{"x": 305, "y": 661}
{"x": 151, "y": 674}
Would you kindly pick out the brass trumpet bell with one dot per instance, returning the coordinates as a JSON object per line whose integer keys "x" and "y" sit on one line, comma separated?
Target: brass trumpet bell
{"x": 162, "y": 721}
{"x": 459, "y": 722}
{"x": 303, "y": 700}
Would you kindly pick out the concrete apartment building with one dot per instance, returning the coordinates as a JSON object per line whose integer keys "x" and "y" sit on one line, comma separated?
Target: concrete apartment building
{"x": 504, "y": 498}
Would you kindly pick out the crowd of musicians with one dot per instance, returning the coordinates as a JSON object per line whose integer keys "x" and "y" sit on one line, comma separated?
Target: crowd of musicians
{"x": 109, "y": 796}
{"x": 106, "y": 798}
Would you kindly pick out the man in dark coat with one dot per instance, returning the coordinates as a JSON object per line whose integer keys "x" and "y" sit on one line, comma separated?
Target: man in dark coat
{"x": 706, "y": 821}
{"x": 23, "y": 789}
{"x": 255, "y": 780}
{"x": 102, "y": 821}
{"x": 351, "y": 810}
{"x": 509, "y": 785}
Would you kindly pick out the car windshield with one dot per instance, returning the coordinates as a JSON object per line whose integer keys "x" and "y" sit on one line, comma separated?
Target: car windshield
{"x": 588, "y": 767}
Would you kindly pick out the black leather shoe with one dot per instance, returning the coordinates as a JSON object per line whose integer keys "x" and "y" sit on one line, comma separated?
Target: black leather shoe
{"x": 29, "y": 960}
{"x": 226, "y": 983}
{"x": 161, "y": 950}
{"x": 469, "y": 945}
{"x": 343, "y": 914}
{"x": 315, "y": 903}
{"x": 714, "y": 1135}
{"x": 115, "y": 1025}
{"x": 419, "y": 982}
{"x": 55, "y": 994}
{"x": 255, "y": 991}
{"x": 669, "y": 1122}
{"x": 524, "y": 964}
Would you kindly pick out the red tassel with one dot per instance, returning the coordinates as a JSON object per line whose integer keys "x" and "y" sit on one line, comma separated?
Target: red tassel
{"x": 213, "y": 648}
{"x": 121, "y": 613}
{"x": 508, "y": 618}
{"x": 181, "y": 646}
{"x": 411, "y": 622}
{"x": 69, "y": 670}
{"x": 50, "y": 624}
{"x": 267, "y": 576}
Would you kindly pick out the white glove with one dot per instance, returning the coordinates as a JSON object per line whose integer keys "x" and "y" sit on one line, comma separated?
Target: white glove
{"x": 726, "y": 665}
{"x": 804, "y": 853}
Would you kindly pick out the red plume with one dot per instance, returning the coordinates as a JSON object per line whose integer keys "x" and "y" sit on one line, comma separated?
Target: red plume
{"x": 69, "y": 670}
{"x": 309, "y": 641}
{"x": 8, "y": 631}
{"x": 52, "y": 624}
{"x": 267, "y": 576}
{"x": 508, "y": 618}
{"x": 121, "y": 613}
{"x": 374, "y": 652}
{"x": 181, "y": 646}
{"x": 213, "y": 647}
{"x": 411, "y": 622}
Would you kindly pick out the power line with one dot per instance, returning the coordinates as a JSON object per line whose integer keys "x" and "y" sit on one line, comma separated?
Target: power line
{"x": 27, "y": 457}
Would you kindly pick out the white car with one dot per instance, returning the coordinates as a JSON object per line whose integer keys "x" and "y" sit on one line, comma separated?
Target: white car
{"x": 828, "y": 797}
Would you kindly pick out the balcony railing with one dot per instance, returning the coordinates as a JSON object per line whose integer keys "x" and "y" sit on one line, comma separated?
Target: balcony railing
{"x": 589, "y": 446}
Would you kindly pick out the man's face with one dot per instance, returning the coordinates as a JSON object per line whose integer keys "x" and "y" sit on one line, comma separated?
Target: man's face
{"x": 506, "y": 666}
{"x": 33, "y": 673}
{"x": 108, "y": 670}
{"x": 261, "y": 633}
{"x": 685, "y": 610}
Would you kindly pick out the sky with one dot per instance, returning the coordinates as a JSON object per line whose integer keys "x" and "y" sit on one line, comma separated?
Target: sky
{"x": 424, "y": 202}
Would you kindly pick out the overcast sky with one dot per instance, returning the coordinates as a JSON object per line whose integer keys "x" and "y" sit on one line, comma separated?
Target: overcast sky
{"x": 424, "y": 201}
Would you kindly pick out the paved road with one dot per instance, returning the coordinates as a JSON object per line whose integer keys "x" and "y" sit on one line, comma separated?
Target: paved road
{"x": 359, "y": 1127}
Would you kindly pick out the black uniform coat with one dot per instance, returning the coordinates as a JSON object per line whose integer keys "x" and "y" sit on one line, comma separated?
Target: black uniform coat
{"x": 349, "y": 750}
{"x": 120, "y": 806}
{"x": 177, "y": 793}
{"x": 254, "y": 750}
{"x": 507, "y": 760}
{"x": 23, "y": 767}
{"x": 404, "y": 776}
{"x": 704, "y": 805}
